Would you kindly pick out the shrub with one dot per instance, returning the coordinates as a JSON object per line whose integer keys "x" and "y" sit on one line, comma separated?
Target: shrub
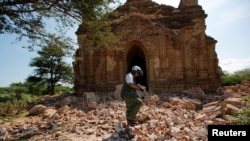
{"x": 5, "y": 90}
{"x": 229, "y": 80}
{"x": 12, "y": 105}
{"x": 243, "y": 117}
{"x": 64, "y": 89}
{"x": 235, "y": 78}
{"x": 244, "y": 74}
{"x": 6, "y": 97}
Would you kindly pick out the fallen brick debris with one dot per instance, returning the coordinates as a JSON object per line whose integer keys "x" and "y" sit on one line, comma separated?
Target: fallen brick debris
{"x": 101, "y": 116}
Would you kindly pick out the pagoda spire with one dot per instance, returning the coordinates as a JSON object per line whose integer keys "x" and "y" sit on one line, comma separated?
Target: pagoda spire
{"x": 136, "y": 0}
{"x": 186, "y": 3}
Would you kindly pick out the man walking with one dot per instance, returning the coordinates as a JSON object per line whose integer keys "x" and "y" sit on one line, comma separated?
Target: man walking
{"x": 131, "y": 98}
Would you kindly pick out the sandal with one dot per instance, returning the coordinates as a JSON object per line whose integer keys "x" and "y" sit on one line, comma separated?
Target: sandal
{"x": 131, "y": 122}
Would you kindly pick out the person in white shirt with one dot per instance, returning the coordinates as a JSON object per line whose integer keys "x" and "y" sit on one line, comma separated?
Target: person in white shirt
{"x": 132, "y": 99}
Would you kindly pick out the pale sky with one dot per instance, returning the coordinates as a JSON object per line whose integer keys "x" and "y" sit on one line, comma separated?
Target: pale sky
{"x": 228, "y": 22}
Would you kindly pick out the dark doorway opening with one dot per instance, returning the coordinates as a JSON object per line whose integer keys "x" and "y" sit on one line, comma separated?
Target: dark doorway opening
{"x": 136, "y": 56}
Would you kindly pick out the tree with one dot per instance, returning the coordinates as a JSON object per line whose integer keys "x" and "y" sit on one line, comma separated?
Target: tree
{"x": 50, "y": 66}
{"x": 237, "y": 77}
{"x": 244, "y": 74}
{"x": 19, "y": 88}
{"x": 27, "y": 17}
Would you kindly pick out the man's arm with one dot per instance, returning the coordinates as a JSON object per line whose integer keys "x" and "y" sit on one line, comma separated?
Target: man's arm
{"x": 133, "y": 86}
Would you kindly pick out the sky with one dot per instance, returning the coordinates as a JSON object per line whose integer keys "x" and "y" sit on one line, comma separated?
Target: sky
{"x": 227, "y": 22}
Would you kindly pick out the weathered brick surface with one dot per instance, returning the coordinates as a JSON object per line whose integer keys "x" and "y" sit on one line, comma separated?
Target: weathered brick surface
{"x": 170, "y": 44}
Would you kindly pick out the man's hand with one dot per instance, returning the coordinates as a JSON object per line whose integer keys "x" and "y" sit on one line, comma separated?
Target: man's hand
{"x": 141, "y": 89}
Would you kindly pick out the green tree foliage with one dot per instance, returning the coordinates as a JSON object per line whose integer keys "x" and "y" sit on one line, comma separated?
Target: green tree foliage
{"x": 27, "y": 18}
{"x": 19, "y": 89}
{"x": 235, "y": 78}
{"x": 97, "y": 33}
{"x": 244, "y": 74}
{"x": 50, "y": 66}
{"x": 230, "y": 79}
{"x": 35, "y": 88}
{"x": 4, "y": 90}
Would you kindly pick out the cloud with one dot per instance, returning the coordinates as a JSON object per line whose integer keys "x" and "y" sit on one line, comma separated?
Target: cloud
{"x": 232, "y": 64}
